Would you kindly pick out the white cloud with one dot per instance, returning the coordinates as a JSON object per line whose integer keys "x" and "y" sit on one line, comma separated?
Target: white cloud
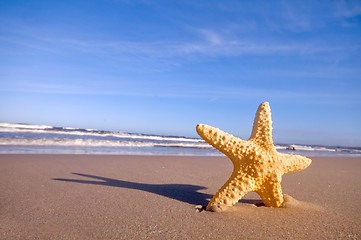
{"x": 348, "y": 9}
{"x": 170, "y": 91}
{"x": 210, "y": 36}
{"x": 209, "y": 43}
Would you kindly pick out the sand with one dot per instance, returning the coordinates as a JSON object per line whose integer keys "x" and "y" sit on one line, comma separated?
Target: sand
{"x": 138, "y": 197}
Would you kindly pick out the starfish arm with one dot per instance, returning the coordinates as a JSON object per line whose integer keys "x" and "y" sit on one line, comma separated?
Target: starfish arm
{"x": 222, "y": 141}
{"x": 262, "y": 127}
{"x": 293, "y": 163}
{"x": 232, "y": 191}
{"x": 271, "y": 193}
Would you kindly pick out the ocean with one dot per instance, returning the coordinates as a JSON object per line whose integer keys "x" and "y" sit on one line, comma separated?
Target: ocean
{"x": 18, "y": 138}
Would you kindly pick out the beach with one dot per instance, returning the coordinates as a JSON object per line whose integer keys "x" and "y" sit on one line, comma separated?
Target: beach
{"x": 160, "y": 197}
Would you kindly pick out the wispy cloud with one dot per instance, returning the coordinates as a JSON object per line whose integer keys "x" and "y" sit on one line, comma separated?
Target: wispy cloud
{"x": 348, "y": 9}
{"x": 28, "y": 44}
{"x": 210, "y": 44}
{"x": 168, "y": 90}
{"x": 211, "y": 37}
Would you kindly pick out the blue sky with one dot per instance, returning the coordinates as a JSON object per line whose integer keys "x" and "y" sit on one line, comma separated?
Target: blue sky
{"x": 162, "y": 67}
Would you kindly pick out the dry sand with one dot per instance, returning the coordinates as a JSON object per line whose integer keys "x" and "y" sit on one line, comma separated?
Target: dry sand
{"x": 134, "y": 197}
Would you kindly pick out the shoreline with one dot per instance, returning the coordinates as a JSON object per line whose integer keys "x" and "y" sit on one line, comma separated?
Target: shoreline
{"x": 149, "y": 154}
{"x": 69, "y": 196}
{"x": 153, "y": 155}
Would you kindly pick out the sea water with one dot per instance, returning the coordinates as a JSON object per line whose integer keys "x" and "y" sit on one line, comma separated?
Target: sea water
{"x": 43, "y": 139}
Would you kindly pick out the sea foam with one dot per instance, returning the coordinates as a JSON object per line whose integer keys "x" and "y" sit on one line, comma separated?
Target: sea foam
{"x": 27, "y": 138}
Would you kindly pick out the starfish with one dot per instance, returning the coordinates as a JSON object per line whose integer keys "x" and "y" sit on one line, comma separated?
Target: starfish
{"x": 257, "y": 166}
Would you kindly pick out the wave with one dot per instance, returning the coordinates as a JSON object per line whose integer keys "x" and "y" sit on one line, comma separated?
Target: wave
{"x": 297, "y": 147}
{"x": 23, "y": 126}
{"x": 44, "y": 129}
{"x": 95, "y": 143}
{"x": 305, "y": 148}
{"x": 26, "y": 135}
{"x": 79, "y": 142}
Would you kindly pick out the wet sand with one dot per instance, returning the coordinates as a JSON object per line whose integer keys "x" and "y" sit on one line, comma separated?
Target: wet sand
{"x": 138, "y": 197}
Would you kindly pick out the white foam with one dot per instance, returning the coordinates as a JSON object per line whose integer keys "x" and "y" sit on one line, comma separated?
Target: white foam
{"x": 22, "y": 126}
{"x": 306, "y": 148}
{"x": 9, "y": 127}
{"x": 43, "y": 135}
{"x": 94, "y": 143}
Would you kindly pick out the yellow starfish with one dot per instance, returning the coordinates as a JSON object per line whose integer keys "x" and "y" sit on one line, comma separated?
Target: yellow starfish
{"x": 257, "y": 165}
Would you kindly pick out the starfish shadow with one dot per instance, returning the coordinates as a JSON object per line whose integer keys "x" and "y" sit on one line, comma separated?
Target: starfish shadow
{"x": 181, "y": 192}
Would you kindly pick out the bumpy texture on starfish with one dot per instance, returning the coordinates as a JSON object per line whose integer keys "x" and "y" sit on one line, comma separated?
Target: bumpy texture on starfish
{"x": 257, "y": 165}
